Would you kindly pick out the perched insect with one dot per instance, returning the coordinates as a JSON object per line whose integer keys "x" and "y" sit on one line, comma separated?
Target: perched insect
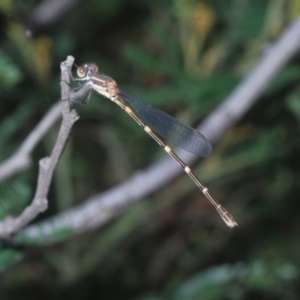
{"x": 155, "y": 122}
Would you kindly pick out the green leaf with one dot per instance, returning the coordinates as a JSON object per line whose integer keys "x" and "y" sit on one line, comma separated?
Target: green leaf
{"x": 150, "y": 63}
{"x": 10, "y": 74}
{"x": 9, "y": 257}
{"x": 293, "y": 104}
{"x": 13, "y": 197}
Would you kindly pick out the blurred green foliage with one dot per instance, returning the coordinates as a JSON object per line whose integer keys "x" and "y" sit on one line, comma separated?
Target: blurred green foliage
{"x": 10, "y": 74}
{"x": 185, "y": 57}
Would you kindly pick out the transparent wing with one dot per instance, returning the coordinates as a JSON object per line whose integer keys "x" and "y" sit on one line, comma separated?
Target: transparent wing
{"x": 169, "y": 128}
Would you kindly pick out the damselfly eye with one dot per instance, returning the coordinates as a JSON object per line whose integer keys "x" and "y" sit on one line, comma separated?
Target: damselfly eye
{"x": 93, "y": 67}
{"x": 82, "y": 71}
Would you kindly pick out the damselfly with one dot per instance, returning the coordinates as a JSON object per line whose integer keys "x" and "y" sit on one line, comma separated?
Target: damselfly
{"x": 155, "y": 122}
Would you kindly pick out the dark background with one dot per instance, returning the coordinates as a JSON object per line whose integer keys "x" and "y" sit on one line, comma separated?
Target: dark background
{"x": 185, "y": 57}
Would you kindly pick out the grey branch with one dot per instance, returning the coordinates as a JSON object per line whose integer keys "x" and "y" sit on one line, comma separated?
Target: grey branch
{"x": 46, "y": 165}
{"x": 21, "y": 159}
{"x": 49, "y": 11}
{"x": 101, "y": 208}
{"x": 248, "y": 92}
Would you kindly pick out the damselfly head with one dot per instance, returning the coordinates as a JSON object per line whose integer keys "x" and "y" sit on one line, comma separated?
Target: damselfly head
{"x": 87, "y": 69}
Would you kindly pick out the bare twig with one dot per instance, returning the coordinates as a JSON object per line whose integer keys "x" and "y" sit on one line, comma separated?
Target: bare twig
{"x": 247, "y": 93}
{"x": 21, "y": 159}
{"x": 49, "y": 11}
{"x": 46, "y": 165}
{"x": 101, "y": 208}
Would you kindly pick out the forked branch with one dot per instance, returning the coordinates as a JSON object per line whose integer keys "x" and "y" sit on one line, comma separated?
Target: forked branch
{"x": 47, "y": 165}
